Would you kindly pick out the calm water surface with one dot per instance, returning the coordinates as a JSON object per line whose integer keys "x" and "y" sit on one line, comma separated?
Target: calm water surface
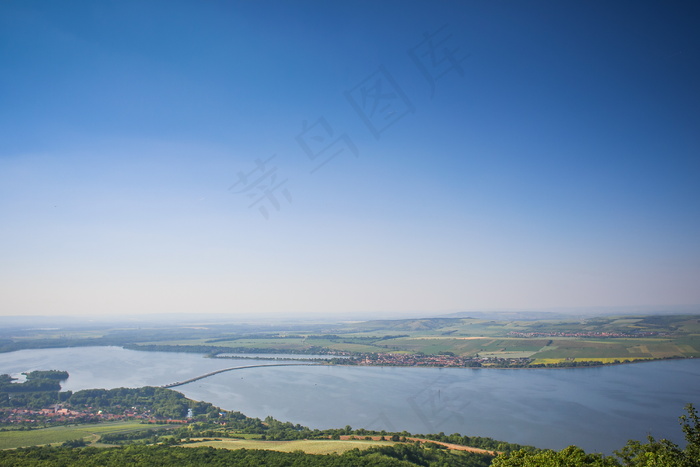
{"x": 280, "y": 356}
{"x": 598, "y": 409}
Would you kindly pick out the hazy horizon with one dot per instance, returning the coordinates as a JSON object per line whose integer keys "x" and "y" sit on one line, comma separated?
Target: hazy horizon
{"x": 357, "y": 158}
{"x": 176, "y": 319}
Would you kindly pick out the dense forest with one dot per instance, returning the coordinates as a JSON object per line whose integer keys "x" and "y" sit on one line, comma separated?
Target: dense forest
{"x": 383, "y": 456}
{"x": 48, "y": 380}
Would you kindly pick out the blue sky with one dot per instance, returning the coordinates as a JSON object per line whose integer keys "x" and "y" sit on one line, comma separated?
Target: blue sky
{"x": 546, "y": 156}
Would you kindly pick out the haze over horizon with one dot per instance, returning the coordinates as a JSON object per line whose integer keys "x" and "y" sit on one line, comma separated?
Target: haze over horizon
{"x": 327, "y": 158}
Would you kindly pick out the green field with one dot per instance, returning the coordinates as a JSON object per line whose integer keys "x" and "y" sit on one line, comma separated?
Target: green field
{"x": 59, "y": 434}
{"x": 604, "y": 339}
{"x": 92, "y": 433}
{"x": 508, "y": 335}
{"x": 308, "y": 446}
{"x": 589, "y": 359}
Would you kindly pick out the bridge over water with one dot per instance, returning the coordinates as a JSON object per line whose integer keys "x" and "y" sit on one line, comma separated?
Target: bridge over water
{"x": 197, "y": 378}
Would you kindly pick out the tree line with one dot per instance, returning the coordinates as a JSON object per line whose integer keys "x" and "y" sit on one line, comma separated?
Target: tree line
{"x": 382, "y": 456}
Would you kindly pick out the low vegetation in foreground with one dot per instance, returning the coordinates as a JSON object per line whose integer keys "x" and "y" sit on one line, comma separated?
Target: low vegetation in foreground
{"x": 389, "y": 456}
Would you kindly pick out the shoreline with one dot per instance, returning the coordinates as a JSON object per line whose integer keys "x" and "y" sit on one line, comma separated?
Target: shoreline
{"x": 552, "y": 366}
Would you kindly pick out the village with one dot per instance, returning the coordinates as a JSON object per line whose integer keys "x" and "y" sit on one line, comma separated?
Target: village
{"x": 59, "y": 415}
{"x": 445, "y": 360}
{"x": 586, "y": 334}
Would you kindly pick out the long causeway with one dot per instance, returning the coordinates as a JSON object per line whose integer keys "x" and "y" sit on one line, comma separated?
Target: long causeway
{"x": 180, "y": 383}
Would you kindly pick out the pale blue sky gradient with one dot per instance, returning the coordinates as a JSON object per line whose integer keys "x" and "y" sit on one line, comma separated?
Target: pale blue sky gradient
{"x": 560, "y": 169}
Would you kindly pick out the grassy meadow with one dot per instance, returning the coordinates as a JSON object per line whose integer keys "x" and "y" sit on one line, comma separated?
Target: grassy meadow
{"x": 308, "y": 446}
{"x": 60, "y": 434}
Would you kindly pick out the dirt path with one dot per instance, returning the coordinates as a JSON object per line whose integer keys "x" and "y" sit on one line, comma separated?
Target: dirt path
{"x": 457, "y": 447}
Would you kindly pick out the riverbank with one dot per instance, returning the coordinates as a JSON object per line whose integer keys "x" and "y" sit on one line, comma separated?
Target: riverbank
{"x": 449, "y": 361}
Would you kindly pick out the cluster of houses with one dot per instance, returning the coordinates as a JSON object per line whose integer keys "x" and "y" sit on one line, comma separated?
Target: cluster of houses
{"x": 436, "y": 360}
{"x": 57, "y": 413}
{"x": 584, "y": 334}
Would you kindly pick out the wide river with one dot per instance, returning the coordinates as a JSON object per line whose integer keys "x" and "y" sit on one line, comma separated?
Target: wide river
{"x": 598, "y": 409}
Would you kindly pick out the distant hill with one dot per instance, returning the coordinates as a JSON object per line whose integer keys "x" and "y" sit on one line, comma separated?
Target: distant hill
{"x": 425, "y": 324}
{"x": 518, "y": 315}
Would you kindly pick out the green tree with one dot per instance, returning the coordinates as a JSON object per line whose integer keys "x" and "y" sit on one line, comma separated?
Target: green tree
{"x": 691, "y": 431}
{"x": 653, "y": 453}
{"x": 572, "y": 456}
{"x": 664, "y": 452}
